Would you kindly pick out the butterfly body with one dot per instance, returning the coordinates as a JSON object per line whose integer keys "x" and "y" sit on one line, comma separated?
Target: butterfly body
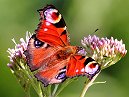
{"x": 50, "y": 54}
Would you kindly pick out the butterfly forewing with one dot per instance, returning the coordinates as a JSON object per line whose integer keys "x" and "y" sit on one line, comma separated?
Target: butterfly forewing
{"x": 80, "y": 65}
{"x": 38, "y": 54}
{"x": 47, "y": 60}
{"x": 52, "y": 27}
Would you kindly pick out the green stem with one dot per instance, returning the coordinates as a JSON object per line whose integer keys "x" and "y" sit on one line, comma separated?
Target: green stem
{"x": 49, "y": 90}
{"x": 35, "y": 85}
{"x": 99, "y": 83}
{"x": 28, "y": 93}
{"x": 55, "y": 89}
{"x": 88, "y": 84}
{"x": 39, "y": 90}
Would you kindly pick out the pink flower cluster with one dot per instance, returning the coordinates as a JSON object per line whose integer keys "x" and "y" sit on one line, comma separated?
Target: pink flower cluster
{"x": 17, "y": 52}
{"x": 103, "y": 49}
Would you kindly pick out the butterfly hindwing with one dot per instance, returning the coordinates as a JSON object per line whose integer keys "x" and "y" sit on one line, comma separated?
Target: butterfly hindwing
{"x": 52, "y": 74}
{"x": 38, "y": 53}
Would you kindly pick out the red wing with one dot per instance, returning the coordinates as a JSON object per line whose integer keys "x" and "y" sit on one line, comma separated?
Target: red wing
{"x": 41, "y": 57}
{"x": 56, "y": 73}
{"x": 38, "y": 53}
{"x": 79, "y": 65}
{"x": 52, "y": 28}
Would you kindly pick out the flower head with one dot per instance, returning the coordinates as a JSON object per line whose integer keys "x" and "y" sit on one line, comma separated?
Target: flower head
{"x": 16, "y": 53}
{"x": 105, "y": 51}
{"x": 18, "y": 61}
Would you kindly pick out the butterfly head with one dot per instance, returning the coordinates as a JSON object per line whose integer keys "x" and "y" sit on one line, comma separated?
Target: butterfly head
{"x": 50, "y": 14}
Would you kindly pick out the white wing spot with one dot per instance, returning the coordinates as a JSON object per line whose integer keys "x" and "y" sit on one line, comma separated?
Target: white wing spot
{"x": 77, "y": 70}
{"x": 47, "y": 23}
{"x": 82, "y": 70}
{"x": 45, "y": 29}
{"x": 45, "y": 45}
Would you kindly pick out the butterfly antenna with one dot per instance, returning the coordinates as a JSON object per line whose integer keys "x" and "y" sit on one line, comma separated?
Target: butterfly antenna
{"x": 94, "y": 31}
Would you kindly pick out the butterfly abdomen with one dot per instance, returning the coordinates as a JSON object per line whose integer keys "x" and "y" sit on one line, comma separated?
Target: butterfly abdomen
{"x": 66, "y": 52}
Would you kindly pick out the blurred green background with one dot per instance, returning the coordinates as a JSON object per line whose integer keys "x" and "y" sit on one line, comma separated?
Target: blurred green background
{"x": 83, "y": 17}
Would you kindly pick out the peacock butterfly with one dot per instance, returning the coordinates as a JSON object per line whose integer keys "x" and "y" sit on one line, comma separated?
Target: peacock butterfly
{"x": 50, "y": 54}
